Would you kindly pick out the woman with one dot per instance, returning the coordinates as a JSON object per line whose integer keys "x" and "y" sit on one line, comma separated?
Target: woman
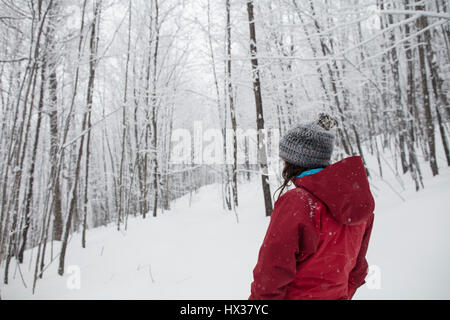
{"x": 318, "y": 235}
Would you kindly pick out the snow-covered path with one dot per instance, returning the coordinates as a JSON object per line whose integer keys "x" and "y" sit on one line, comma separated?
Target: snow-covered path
{"x": 200, "y": 252}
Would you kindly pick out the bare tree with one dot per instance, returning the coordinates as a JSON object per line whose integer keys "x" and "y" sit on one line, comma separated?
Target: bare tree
{"x": 93, "y": 44}
{"x": 232, "y": 107}
{"x": 259, "y": 111}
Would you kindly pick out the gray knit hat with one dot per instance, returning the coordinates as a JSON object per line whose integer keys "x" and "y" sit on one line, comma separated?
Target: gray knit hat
{"x": 309, "y": 145}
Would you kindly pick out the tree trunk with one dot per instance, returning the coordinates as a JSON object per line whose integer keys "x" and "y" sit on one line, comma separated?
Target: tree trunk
{"x": 54, "y": 142}
{"x": 154, "y": 102}
{"x": 414, "y": 166}
{"x": 262, "y": 155}
{"x": 439, "y": 93}
{"x": 231, "y": 104}
{"x": 422, "y": 23}
{"x": 29, "y": 196}
{"x": 89, "y": 98}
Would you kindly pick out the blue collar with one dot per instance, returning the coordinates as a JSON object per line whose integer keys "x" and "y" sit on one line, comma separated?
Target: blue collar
{"x": 312, "y": 171}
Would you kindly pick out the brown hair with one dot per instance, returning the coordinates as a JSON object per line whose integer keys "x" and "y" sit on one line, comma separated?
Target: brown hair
{"x": 289, "y": 173}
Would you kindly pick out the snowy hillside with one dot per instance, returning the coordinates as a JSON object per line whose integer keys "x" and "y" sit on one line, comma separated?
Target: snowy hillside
{"x": 156, "y": 113}
{"x": 200, "y": 252}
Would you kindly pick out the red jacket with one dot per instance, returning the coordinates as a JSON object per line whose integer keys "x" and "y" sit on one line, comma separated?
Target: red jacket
{"x": 318, "y": 235}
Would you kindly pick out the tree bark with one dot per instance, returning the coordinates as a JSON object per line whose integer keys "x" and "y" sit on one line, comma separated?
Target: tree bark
{"x": 429, "y": 125}
{"x": 90, "y": 92}
{"x": 262, "y": 155}
{"x": 231, "y": 103}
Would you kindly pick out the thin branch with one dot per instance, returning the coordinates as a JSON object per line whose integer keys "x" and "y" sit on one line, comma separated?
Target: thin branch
{"x": 14, "y": 60}
{"x": 440, "y": 15}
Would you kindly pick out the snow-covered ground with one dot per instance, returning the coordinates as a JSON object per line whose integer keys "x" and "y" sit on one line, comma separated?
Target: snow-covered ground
{"x": 200, "y": 252}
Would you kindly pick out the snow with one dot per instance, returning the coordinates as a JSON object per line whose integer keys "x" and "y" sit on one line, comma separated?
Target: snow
{"x": 410, "y": 243}
{"x": 200, "y": 252}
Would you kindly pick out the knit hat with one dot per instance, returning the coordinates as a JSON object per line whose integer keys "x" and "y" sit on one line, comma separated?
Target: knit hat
{"x": 309, "y": 145}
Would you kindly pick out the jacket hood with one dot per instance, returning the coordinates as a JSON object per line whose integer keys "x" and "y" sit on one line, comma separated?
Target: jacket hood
{"x": 344, "y": 188}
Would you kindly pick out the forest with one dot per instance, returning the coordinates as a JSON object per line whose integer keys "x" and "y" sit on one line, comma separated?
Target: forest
{"x": 95, "y": 96}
